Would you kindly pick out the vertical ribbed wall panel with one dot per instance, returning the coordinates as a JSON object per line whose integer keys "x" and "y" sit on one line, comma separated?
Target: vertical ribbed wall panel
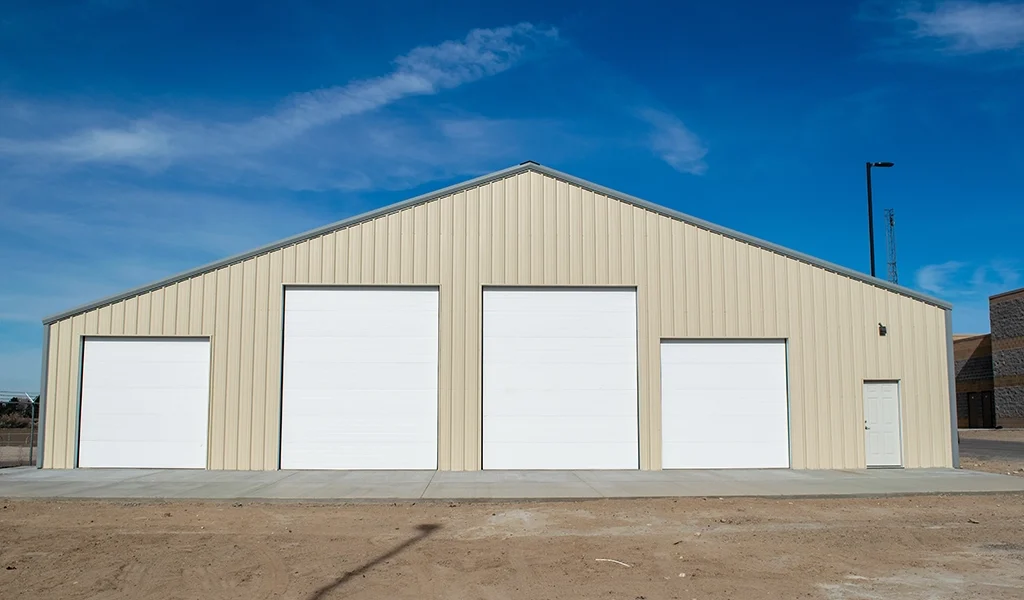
{"x": 260, "y": 360}
{"x": 117, "y": 318}
{"x": 70, "y": 433}
{"x": 937, "y": 374}
{"x": 244, "y": 399}
{"x": 102, "y": 320}
{"x": 155, "y": 311}
{"x": 233, "y": 364}
{"x": 273, "y": 320}
{"x": 446, "y": 338}
{"x": 469, "y": 423}
{"x": 219, "y": 372}
{"x": 531, "y": 229}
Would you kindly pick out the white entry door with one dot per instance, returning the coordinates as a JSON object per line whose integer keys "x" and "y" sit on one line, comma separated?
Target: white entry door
{"x": 882, "y": 424}
{"x": 360, "y": 378}
{"x": 560, "y": 379}
{"x": 145, "y": 403}
{"x": 724, "y": 404}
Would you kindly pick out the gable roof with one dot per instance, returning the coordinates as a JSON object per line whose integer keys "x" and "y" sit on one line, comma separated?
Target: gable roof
{"x": 495, "y": 176}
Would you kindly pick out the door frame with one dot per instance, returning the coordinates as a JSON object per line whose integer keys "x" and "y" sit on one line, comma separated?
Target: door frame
{"x": 582, "y": 287}
{"x": 347, "y": 287}
{"x": 899, "y": 416}
{"x": 789, "y": 397}
{"x": 136, "y": 338}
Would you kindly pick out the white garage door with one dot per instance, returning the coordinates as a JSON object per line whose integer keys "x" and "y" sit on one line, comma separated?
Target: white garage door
{"x": 560, "y": 379}
{"x": 145, "y": 403}
{"x": 360, "y": 379}
{"x": 724, "y": 405}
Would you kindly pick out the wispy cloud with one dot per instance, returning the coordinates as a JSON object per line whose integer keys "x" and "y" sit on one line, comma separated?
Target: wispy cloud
{"x": 949, "y": 28}
{"x": 674, "y": 143}
{"x": 159, "y": 141}
{"x": 968, "y": 286}
{"x": 107, "y": 237}
{"x": 968, "y": 27}
{"x": 99, "y": 197}
{"x": 936, "y": 278}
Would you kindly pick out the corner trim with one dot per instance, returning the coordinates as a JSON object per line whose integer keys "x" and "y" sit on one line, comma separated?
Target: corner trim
{"x": 78, "y": 398}
{"x": 43, "y": 377}
{"x": 954, "y": 436}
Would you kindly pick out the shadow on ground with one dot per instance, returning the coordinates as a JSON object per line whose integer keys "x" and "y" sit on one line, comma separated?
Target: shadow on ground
{"x": 425, "y": 530}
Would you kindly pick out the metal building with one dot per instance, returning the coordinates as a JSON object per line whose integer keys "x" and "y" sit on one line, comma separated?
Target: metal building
{"x": 523, "y": 320}
{"x": 990, "y": 367}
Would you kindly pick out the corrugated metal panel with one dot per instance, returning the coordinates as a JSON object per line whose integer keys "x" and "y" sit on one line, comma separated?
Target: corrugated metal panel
{"x": 533, "y": 229}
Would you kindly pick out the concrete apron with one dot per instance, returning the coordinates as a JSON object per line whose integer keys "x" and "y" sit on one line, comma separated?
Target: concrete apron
{"x": 27, "y": 482}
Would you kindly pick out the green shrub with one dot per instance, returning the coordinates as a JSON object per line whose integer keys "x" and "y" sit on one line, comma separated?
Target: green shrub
{"x": 14, "y": 421}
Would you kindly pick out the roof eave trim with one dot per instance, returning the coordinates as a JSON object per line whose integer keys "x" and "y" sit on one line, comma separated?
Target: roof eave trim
{"x": 484, "y": 179}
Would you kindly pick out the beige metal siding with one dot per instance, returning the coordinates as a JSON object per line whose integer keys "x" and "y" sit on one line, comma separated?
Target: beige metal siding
{"x": 533, "y": 229}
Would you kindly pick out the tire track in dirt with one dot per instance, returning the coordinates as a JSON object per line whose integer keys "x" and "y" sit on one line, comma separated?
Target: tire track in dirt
{"x": 253, "y": 566}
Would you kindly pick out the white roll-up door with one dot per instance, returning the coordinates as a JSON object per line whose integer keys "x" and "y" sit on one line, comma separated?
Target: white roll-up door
{"x": 145, "y": 403}
{"x": 724, "y": 405}
{"x": 560, "y": 379}
{"x": 360, "y": 378}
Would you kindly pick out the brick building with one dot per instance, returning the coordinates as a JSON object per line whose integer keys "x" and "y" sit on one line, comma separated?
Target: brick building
{"x": 990, "y": 367}
{"x": 974, "y": 400}
{"x": 1006, "y": 313}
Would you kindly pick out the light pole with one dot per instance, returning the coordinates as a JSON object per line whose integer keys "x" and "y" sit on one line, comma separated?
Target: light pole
{"x": 871, "y": 217}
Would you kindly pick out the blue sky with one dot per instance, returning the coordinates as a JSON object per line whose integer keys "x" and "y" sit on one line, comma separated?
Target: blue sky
{"x": 142, "y": 138}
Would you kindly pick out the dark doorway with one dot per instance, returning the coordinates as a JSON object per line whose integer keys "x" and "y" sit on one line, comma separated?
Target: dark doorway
{"x": 980, "y": 410}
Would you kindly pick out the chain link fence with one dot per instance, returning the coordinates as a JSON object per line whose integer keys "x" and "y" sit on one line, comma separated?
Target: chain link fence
{"x": 18, "y": 429}
{"x": 18, "y": 447}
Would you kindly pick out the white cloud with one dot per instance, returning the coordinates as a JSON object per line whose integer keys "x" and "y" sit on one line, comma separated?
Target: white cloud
{"x": 63, "y": 249}
{"x": 968, "y": 286}
{"x": 96, "y": 199}
{"x": 107, "y": 238}
{"x": 935, "y": 278}
{"x": 948, "y": 30}
{"x": 968, "y": 27}
{"x": 955, "y": 279}
{"x": 113, "y": 145}
{"x": 674, "y": 143}
{"x": 161, "y": 141}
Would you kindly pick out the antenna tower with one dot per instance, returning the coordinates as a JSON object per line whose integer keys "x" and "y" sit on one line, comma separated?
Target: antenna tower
{"x": 890, "y": 242}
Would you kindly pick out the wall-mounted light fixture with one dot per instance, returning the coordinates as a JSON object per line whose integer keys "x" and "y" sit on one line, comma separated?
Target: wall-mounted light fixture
{"x": 882, "y": 330}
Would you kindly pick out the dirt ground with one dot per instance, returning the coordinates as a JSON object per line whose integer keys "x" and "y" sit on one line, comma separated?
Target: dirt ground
{"x": 13, "y": 456}
{"x": 933, "y": 547}
{"x": 993, "y": 465}
{"x": 1002, "y": 466}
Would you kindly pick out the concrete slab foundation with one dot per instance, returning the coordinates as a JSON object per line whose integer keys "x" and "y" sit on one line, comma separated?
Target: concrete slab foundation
{"x": 28, "y": 482}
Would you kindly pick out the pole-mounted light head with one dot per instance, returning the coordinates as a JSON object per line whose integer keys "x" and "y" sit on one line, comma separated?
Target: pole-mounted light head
{"x": 884, "y": 165}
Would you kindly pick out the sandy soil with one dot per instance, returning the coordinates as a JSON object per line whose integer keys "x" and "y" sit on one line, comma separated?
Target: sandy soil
{"x": 13, "y": 456}
{"x": 993, "y": 465}
{"x": 914, "y": 547}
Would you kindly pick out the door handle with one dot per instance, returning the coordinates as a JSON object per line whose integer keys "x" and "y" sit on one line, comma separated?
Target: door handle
{"x": 866, "y": 425}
